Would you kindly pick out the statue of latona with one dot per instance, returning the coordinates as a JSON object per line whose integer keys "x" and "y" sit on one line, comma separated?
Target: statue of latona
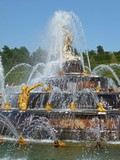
{"x": 68, "y": 54}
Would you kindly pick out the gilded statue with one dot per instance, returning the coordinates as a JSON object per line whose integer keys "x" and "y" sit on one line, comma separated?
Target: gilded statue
{"x": 25, "y": 95}
{"x": 100, "y": 107}
{"x": 68, "y": 54}
{"x": 68, "y": 40}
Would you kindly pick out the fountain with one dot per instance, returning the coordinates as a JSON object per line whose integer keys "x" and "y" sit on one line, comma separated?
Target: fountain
{"x": 66, "y": 102}
{"x": 2, "y": 83}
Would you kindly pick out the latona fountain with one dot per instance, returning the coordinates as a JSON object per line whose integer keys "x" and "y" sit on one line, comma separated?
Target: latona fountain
{"x": 65, "y": 102}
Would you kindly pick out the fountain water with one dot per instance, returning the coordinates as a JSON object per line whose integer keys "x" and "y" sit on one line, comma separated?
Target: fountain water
{"x": 106, "y": 67}
{"x": 2, "y": 83}
{"x": 7, "y": 127}
{"x": 17, "y": 66}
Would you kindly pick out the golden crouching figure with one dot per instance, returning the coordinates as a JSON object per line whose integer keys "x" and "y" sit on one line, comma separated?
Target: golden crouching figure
{"x": 25, "y": 95}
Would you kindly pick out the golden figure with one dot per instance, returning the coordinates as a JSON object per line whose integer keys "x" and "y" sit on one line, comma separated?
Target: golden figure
{"x": 101, "y": 108}
{"x": 48, "y": 107}
{"x": 72, "y": 106}
{"x": 84, "y": 73}
{"x": 22, "y": 141}
{"x": 68, "y": 40}
{"x": 7, "y": 106}
{"x": 25, "y": 95}
{"x": 59, "y": 143}
{"x": 2, "y": 140}
{"x": 68, "y": 53}
{"x": 48, "y": 89}
{"x": 98, "y": 89}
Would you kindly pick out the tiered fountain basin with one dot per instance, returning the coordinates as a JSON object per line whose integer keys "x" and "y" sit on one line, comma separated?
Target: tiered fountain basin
{"x": 79, "y": 122}
{"x": 67, "y": 124}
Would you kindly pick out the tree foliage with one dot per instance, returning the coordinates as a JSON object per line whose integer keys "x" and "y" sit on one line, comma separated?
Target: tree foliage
{"x": 100, "y": 50}
{"x": 14, "y": 56}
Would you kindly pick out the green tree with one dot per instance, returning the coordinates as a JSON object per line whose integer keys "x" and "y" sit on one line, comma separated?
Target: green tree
{"x": 100, "y": 49}
{"x": 11, "y": 57}
{"x": 93, "y": 62}
{"x": 6, "y": 57}
{"x": 113, "y": 59}
{"x": 117, "y": 55}
{"x": 92, "y": 53}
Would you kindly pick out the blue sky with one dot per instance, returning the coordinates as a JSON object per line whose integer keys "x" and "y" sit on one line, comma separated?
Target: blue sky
{"x": 22, "y": 21}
